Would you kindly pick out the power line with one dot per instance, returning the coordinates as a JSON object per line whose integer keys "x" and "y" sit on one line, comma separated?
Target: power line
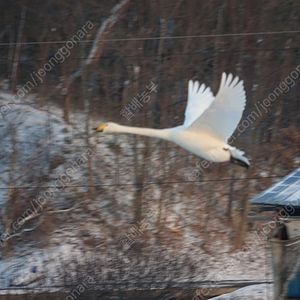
{"x": 94, "y": 147}
{"x": 155, "y": 55}
{"x": 141, "y": 183}
{"x": 160, "y": 38}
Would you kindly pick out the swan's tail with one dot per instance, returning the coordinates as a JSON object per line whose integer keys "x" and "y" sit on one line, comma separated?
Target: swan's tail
{"x": 237, "y": 157}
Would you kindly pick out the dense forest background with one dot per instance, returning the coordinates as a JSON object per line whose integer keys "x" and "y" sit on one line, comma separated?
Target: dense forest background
{"x": 122, "y": 50}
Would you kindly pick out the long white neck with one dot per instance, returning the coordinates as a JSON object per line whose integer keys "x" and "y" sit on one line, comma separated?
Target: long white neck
{"x": 158, "y": 133}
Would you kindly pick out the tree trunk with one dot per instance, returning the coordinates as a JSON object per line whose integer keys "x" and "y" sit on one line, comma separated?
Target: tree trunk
{"x": 231, "y": 196}
{"x": 44, "y": 52}
{"x": 98, "y": 45}
{"x": 139, "y": 178}
{"x": 87, "y": 133}
{"x": 67, "y": 106}
{"x": 16, "y": 62}
{"x": 240, "y": 233}
{"x": 10, "y": 54}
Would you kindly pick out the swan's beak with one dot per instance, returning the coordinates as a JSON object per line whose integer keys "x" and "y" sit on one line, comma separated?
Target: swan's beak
{"x": 100, "y": 128}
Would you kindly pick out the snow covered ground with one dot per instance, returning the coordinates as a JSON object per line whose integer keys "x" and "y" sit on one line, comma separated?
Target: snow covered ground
{"x": 42, "y": 138}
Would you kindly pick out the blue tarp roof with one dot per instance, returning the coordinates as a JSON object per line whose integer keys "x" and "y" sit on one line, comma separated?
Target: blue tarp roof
{"x": 285, "y": 192}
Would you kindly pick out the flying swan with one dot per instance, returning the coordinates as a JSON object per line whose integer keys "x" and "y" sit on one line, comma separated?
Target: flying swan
{"x": 209, "y": 122}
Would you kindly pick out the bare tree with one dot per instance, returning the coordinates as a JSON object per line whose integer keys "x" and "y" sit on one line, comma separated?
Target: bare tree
{"x": 94, "y": 54}
{"x": 17, "y": 54}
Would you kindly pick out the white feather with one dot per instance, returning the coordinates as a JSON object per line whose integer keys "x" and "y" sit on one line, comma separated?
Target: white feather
{"x": 209, "y": 122}
{"x": 199, "y": 99}
{"x": 224, "y": 114}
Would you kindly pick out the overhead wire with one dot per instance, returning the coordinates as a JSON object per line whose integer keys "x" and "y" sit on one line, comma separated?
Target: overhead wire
{"x": 155, "y": 55}
{"x": 142, "y": 183}
{"x": 159, "y": 38}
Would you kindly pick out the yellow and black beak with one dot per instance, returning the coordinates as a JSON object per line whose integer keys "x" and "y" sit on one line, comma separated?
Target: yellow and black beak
{"x": 100, "y": 128}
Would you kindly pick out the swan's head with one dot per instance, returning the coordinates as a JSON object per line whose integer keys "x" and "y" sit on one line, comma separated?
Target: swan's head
{"x": 107, "y": 127}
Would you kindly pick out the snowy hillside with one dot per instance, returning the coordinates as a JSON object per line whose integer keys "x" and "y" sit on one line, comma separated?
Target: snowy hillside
{"x": 68, "y": 224}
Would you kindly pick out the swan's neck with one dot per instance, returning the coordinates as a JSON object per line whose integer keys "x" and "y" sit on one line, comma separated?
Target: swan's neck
{"x": 164, "y": 134}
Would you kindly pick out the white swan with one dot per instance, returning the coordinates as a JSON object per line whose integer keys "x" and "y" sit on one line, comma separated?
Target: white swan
{"x": 209, "y": 122}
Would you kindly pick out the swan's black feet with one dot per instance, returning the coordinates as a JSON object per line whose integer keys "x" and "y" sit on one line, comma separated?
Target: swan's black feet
{"x": 238, "y": 162}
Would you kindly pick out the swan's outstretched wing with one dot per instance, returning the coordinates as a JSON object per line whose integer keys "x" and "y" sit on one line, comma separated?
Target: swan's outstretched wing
{"x": 199, "y": 99}
{"x": 224, "y": 114}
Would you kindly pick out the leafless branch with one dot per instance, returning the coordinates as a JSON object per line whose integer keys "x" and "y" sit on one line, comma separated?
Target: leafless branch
{"x": 63, "y": 210}
{"x": 27, "y": 229}
{"x": 98, "y": 44}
